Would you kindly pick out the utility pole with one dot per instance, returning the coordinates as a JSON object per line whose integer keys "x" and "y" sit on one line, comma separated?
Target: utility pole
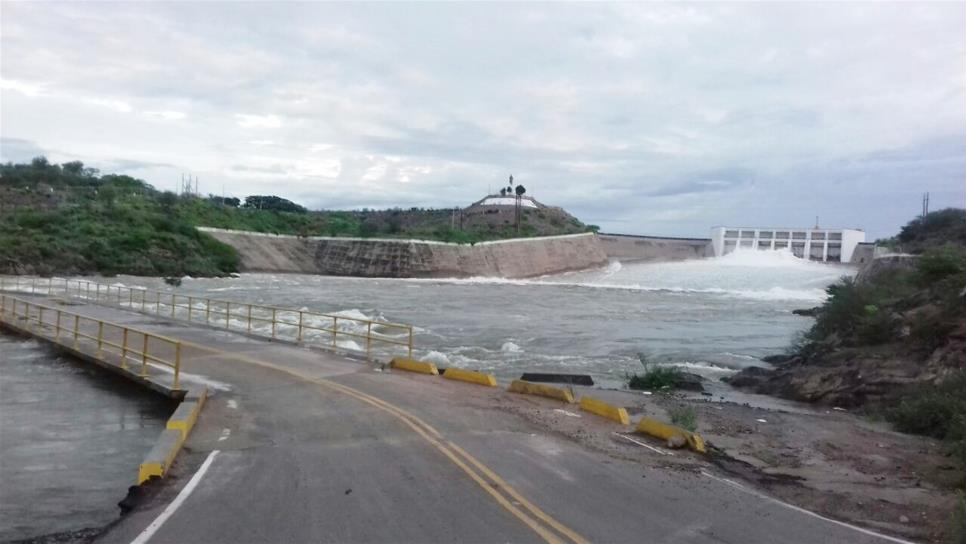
{"x": 925, "y": 205}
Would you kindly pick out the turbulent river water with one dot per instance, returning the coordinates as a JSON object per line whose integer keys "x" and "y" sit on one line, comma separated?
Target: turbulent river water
{"x": 712, "y": 316}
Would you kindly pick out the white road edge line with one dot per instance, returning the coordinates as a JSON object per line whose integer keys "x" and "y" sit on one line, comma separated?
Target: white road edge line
{"x": 149, "y": 531}
{"x": 639, "y": 443}
{"x": 804, "y": 511}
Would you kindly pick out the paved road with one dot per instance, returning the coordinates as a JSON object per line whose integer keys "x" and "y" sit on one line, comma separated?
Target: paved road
{"x": 318, "y": 448}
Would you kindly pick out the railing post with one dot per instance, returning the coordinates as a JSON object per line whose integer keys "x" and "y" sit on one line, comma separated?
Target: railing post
{"x": 76, "y": 330}
{"x": 177, "y": 365}
{"x": 57, "y": 334}
{"x": 410, "y": 343}
{"x": 50, "y": 285}
{"x": 144, "y": 298}
{"x": 335, "y": 328}
{"x": 300, "y": 326}
{"x": 124, "y": 350}
{"x": 40, "y": 320}
{"x": 172, "y": 305}
{"x": 249, "y": 319}
{"x": 274, "y": 314}
{"x": 227, "y": 314}
{"x": 207, "y": 310}
{"x": 190, "y": 305}
{"x": 130, "y": 297}
{"x": 100, "y": 337}
{"x": 157, "y": 302}
{"x": 368, "y": 340}
{"x": 144, "y": 356}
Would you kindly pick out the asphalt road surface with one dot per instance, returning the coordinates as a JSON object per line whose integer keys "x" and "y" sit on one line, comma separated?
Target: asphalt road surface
{"x": 315, "y": 447}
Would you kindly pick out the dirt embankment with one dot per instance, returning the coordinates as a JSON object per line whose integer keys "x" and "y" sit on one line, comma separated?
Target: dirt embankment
{"x": 828, "y": 461}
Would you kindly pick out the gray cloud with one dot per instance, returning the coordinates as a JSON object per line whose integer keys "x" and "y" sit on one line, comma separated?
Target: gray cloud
{"x": 647, "y": 118}
{"x": 18, "y": 150}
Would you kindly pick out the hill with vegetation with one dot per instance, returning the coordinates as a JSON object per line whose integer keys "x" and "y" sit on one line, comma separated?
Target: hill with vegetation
{"x": 891, "y": 342}
{"x": 71, "y": 219}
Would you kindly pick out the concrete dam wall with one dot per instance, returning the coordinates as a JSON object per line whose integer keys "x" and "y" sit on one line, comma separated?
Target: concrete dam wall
{"x": 388, "y": 258}
{"x": 626, "y": 247}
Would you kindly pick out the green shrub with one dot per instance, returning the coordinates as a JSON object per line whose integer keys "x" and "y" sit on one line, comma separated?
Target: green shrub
{"x": 939, "y": 263}
{"x": 876, "y": 326}
{"x": 958, "y": 531}
{"x": 684, "y": 416}
{"x": 654, "y": 377}
{"x": 931, "y": 331}
{"x": 938, "y": 411}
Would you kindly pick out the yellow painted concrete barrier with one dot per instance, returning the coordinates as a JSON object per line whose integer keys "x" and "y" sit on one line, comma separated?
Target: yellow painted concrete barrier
{"x": 564, "y": 394}
{"x": 183, "y": 418}
{"x": 601, "y": 408}
{"x": 161, "y": 456}
{"x": 413, "y": 365}
{"x": 664, "y": 431}
{"x": 470, "y": 376}
{"x": 159, "y": 459}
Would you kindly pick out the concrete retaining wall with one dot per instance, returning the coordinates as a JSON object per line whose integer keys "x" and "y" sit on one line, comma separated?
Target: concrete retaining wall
{"x": 625, "y": 247}
{"x": 368, "y": 257}
{"x": 863, "y": 253}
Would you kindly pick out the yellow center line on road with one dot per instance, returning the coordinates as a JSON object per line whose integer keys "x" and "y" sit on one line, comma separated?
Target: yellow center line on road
{"x": 451, "y": 451}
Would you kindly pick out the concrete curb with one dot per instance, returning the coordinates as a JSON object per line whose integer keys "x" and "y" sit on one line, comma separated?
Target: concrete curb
{"x": 603, "y": 409}
{"x": 470, "y": 376}
{"x": 413, "y": 365}
{"x": 658, "y": 429}
{"x": 564, "y": 394}
{"x": 179, "y": 425}
{"x": 159, "y": 459}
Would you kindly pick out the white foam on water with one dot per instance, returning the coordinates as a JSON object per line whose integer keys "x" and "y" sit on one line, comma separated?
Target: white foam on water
{"x": 436, "y": 357}
{"x": 745, "y": 274}
{"x": 352, "y": 314}
{"x": 510, "y": 347}
{"x": 349, "y": 345}
{"x": 700, "y": 367}
{"x": 777, "y": 258}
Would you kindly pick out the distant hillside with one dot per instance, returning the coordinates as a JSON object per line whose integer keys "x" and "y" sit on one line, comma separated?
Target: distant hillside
{"x": 70, "y": 219}
{"x": 67, "y": 219}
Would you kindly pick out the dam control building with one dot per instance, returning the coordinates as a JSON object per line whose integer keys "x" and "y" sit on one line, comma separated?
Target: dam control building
{"x": 816, "y": 244}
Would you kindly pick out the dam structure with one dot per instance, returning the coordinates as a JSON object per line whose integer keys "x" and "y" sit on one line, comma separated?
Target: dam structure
{"x": 400, "y": 258}
{"x": 815, "y": 244}
{"x": 397, "y": 258}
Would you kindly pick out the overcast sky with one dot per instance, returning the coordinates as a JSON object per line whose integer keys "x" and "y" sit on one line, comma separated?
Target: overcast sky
{"x": 646, "y": 118}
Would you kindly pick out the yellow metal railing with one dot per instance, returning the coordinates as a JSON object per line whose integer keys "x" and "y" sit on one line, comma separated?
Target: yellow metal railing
{"x": 136, "y": 350}
{"x": 313, "y": 328}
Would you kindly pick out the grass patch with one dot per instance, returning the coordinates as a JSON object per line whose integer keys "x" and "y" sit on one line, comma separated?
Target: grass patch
{"x": 938, "y": 411}
{"x": 958, "y": 530}
{"x": 684, "y": 416}
{"x": 654, "y": 377}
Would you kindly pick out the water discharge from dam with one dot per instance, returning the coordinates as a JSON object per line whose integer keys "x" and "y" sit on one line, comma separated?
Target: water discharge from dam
{"x": 709, "y": 316}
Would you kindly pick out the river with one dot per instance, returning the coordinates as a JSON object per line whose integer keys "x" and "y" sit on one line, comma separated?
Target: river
{"x": 71, "y": 439}
{"x": 711, "y": 316}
